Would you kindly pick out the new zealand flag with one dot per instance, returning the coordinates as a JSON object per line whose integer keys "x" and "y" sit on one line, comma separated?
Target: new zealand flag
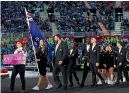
{"x": 37, "y": 35}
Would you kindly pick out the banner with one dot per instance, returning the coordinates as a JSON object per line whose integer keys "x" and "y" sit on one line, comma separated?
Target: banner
{"x": 13, "y": 59}
{"x": 67, "y": 39}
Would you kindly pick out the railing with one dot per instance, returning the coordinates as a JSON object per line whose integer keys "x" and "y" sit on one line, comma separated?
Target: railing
{"x": 80, "y": 34}
{"x": 20, "y": 35}
{"x": 47, "y": 33}
{"x": 125, "y": 32}
{"x": 62, "y": 33}
{"x": 67, "y": 33}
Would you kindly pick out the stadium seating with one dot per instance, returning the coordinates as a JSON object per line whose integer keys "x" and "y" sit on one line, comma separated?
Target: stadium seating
{"x": 125, "y": 24}
{"x": 125, "y": 5}
{"x": 106, "y": 9}
{"x": 13, "y": 17}
{"x": 73, "y": 18}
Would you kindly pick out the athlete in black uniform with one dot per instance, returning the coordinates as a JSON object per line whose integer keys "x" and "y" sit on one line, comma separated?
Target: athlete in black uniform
{"x": 110, "y": 62}
{"x": 102, "y": 69}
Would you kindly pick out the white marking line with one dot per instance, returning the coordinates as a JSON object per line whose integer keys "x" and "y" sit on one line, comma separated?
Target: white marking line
{"x": 30, "y": 74}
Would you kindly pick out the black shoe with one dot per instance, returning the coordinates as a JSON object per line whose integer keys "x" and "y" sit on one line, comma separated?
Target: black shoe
{"x": 121, "y": 80}
{"x": 127, "y": 79}
{"x": 78, "y": 83}
{"x": 22, "y": 91}
{"x": 59, "y": 87}
{"x": 81, "y": 85}
{"x": 71, "y": 85}
{"x": 94, "y": 85}
{"x": 64, "y": 88}
{"x": 117, "y": 83}
{"x": 10, "y": 91}
{"x": 103, "y": 82}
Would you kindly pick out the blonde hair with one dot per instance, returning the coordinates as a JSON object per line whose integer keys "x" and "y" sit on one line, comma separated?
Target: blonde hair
{"x": 106, "y": 48}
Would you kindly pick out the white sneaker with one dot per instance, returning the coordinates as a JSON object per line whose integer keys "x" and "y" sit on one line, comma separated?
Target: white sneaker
{"x": 49, "y": 86}
{"x": 111, "y": 82}
{"x": 105, "y": 81}
{"x": 124, "y": 79}
{"x": 108, "y": 81}
{"x": 36, "y": 88}
{"x": 99, "y": 83}
{"x": 114, "y": 80}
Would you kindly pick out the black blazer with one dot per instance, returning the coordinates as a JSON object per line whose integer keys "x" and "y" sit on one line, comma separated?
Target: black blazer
{"x": 102, "y": 59}
{"x": 73, "y": 56}
{"x": 110, "y": 58}
{"x": 94, "y": 54}
{"x": 42, "y": 54}
{"x": 85, "y": 52}
{"x": 61, "y": 54}
{"x": 121, "y": 57}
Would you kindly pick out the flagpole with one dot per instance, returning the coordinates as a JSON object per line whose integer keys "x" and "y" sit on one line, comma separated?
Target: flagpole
{"x": 31, "y": 40}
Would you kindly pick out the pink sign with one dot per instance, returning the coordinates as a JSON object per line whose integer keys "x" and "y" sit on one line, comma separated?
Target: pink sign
{"x": 13, "y": 59}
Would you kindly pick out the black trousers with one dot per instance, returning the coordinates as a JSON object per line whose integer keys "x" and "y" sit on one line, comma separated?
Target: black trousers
{"x": 72, "y": 71}
{"x": 56, "y": 70}
{"x": 121, "y": 69}
{"x": 21, "y": 70}
{"x": 94, "y": 70}
{"x": 85, "y": 73}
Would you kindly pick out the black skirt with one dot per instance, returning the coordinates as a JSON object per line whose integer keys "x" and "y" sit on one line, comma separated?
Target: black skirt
{"x": 110, "y": 65}
{"x": 42, "y": 67}
{"x": 110, "y": 57}
{"x": 101, "y": 66}
{"x": 102, "y": 60}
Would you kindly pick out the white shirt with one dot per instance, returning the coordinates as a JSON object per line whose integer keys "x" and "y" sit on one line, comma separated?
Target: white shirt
{"x": 93, "y": 46}
{"x": 119, "y": 50}
{"x": 71, "y": 50}
{"x": 20, "y": 50}
{"x": 88, "y": 47}
{"x": 57, "y": 45}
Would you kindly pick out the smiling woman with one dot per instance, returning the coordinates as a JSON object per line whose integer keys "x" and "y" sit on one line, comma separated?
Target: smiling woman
{"x": 41, "y": 56}
{"x": 19, "y": 68}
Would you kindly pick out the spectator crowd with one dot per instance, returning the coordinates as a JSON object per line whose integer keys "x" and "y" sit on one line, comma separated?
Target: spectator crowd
{"x": 74, "y": 17}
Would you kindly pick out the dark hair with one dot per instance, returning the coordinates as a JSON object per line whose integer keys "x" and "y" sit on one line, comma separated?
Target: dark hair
{"x": 119, "y": 42}
{"x": 43, "y": 42}
{"x": 58, "y": 35}
{"x": 2, "y": 55}
{"x": 88, "y": 40}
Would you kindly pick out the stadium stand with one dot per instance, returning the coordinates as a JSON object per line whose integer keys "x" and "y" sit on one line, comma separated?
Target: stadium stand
{"x": 125, "y": 24}
{"x": 106, "y": 9}
{"x": 125, "y": 5}
{"x": 74, "y": 17}
{"x": 13, "y": 16}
